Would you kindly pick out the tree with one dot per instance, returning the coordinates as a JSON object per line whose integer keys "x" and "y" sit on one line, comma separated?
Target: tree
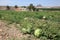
{"x": 16, "y": 6}
{"x": 31, "y": 7}
{"x": 8, "y": 7}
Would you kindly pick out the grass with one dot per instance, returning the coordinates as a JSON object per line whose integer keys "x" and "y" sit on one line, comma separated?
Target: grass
{"x": 31, "y": 20}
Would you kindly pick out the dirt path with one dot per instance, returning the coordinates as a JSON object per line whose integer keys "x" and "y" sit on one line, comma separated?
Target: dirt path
{"x": 8, "y": 31}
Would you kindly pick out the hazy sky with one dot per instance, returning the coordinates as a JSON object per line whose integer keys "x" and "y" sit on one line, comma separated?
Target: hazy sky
{"x": 27, "y": 2}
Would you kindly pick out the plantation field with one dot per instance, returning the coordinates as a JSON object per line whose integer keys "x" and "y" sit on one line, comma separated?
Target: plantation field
{"x": 43, "y": 25}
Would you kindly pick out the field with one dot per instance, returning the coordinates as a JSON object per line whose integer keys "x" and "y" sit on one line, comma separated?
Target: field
{"x": 24, "y": 25}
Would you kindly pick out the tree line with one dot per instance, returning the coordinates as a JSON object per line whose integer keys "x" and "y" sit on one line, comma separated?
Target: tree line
{"x": 31, "y": 7}
{"x": 8, "y": 7}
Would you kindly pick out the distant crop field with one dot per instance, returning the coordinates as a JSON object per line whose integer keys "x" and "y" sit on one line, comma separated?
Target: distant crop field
{"x": 18, "y": 16}
{"x": 45, "y": 23}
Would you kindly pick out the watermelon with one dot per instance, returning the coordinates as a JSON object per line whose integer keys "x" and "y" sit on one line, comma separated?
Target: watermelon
{"x": 38, "y": 32}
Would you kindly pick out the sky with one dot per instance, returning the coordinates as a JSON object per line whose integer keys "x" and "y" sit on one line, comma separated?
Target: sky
{"x": 27, "y": 2}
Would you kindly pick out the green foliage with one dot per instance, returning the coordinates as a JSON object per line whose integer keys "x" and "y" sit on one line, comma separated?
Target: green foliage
{"x": 0, "y": 15}
{"x": 30, "y": 21}
{"x": 43, "y": 38}
{"x": 31, "y": 7}
{"x": 8, "y": 7}
{"x": 16, "y": 6}
{"x": 28, "y": 25}
{"x": 24, "y": 30}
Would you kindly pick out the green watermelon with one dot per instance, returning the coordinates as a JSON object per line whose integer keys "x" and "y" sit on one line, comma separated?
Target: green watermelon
{"x": 38, "y": 32}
